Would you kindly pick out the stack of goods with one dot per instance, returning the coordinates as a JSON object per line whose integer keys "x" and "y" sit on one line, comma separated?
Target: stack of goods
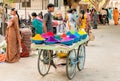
{"x": 83, "y": 33}
{"x": 68, "y": 38}
{"x": 26, "y": 41}
{"x": 67, "y": 41}
{"x": 38, "y": 39}
{"x": 51, "y": 40}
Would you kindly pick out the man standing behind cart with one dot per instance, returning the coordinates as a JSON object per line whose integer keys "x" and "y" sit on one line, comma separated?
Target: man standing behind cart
{"x": 47, "y": 20}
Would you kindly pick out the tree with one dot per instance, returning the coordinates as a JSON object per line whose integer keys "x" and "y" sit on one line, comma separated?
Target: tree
{"x": 98, "y": 4}
{"x": 9, "y": 1}
{"x": 73, "y": 3}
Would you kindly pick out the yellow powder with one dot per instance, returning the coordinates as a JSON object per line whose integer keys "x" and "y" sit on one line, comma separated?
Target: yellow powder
{"x": 37, "y": 37}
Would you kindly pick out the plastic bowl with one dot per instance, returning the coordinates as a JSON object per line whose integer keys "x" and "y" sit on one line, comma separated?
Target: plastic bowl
{"x": 45, "y": 36}
{"x": 51, "y": 40}
{"x": 57, "y": 37}
{"x": 38, "y": 41}
{"x": 68, "y": 43}
{"x": 63, "y": 36}
{"x": 50, "y": 33}
{"x": 48, "y": 43}
{"x": 68, "y": 33}
{"x": 76, "y": 39}
{"x": 84, "y": 36}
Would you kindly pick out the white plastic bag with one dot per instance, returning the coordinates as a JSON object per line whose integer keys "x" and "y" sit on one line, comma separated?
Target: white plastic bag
{"x": 91, "y": 36}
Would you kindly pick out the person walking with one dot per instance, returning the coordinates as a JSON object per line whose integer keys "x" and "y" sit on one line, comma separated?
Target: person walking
{"x": 88, "y": 13}
{"x": 83, "y": 19}
{"x": 110, "y": 13}
{"x": 94, "y": 18}
{"x": 13, "y": 38}
{"x": 107, "y": 17}
{"x": 75, "y": 14}
{"x": 71, "y": 22}
{"x": 47, "y": 19}
{"x": 115, "y": 16}
{"x": 37, "y": 24}
{"x": 103, "y": 12}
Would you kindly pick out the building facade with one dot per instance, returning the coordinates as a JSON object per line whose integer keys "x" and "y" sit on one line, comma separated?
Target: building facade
{"x": 25, "y": 8}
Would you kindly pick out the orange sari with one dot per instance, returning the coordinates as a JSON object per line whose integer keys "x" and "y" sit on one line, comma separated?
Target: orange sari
{"x": 13, "y": 40}
{"x": 115, "y": 16}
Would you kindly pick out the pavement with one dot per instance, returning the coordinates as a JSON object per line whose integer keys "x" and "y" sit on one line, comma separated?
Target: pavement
{"x": 102, "y": 62}
{"x": 2, "y": 38}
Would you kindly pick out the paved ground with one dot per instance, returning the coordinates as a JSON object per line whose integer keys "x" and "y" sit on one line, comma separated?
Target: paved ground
{"x": 1, "y": 38}
{"x": 102, "y": 62}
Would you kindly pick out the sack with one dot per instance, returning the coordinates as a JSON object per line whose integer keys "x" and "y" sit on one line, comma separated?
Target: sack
{"x": 25, "y": 52}
{"x": 91, "y": 36}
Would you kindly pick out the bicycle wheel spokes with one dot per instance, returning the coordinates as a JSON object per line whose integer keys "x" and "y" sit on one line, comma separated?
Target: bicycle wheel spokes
{"x": 44, "y": 62}
{"x": 81, "y": 57}
{"x": 71, "y": 65}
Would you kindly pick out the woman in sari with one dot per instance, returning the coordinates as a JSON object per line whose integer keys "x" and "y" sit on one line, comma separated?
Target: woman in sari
{"x": 13, "y": 38}
{"x": 83, "y": 20}
{"x": 115, "y": 16}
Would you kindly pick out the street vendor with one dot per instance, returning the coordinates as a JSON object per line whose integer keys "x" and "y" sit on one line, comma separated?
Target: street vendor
{"x": 47, "y": 19}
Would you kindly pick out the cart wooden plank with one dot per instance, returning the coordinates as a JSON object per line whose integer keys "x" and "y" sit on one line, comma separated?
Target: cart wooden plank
{"x": 59, "y": 47}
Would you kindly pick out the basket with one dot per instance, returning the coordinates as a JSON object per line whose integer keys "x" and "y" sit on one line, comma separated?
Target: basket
{"x": 84, "y": 36}
{"x": 67, "y": 41}
{"x": 48, "y": 43}
{"x": 78, "y": 36}
{"x": 63, "y": 35}
{"x": 62, "y": 55}
{"x": 38, "y": 41}
{"x": 68, "y": 33}
{"x": 47, "y": 35}
{"x": 76, "y": 39}
{"x": 51, "y": 40}
{"x": 57, "y": 37}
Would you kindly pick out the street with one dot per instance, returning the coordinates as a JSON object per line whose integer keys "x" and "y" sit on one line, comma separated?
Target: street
{"x": 102, "y": 62}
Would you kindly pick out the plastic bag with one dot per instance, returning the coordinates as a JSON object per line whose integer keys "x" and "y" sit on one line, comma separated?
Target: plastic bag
{"x": 91, "y": 36}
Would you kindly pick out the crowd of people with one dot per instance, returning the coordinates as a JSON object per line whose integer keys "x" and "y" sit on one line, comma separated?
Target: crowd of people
{"x": 85, "y": 19}
{"x": 108, "y": 14}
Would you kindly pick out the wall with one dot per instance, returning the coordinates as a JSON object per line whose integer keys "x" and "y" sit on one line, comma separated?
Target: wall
{"x": 36, "y": 6}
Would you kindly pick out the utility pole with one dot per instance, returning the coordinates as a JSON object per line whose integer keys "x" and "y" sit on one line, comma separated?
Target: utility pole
{"x": 25, "y": 9}
{"x": 42, "y": 4}
{"x": 3, "y": 19}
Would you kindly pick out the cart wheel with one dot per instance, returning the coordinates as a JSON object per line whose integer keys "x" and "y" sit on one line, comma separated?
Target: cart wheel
{"x": 44, "y": 62}
{"x": 71, "y": 64}
{"x": 81, "y": 57}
